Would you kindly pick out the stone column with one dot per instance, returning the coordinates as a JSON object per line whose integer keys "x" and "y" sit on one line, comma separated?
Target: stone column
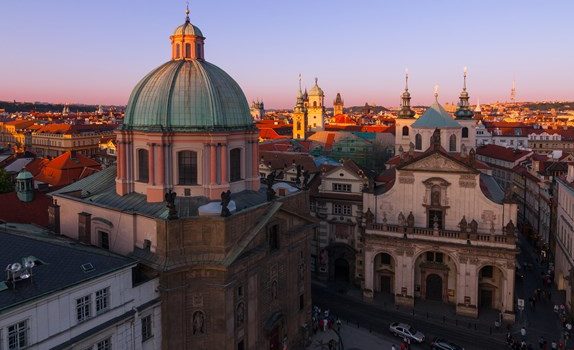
{"x": 368, "y": 288}
{"x": 213, "y": 164}
{"x": 151, "y": 164}
{"x": 224, "y": 165}
{"x": 161, "y": 165}
{"x": 255, "y": 158}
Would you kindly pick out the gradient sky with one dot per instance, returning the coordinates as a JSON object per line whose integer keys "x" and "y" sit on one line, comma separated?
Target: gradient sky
{"x": 96, "y": 51}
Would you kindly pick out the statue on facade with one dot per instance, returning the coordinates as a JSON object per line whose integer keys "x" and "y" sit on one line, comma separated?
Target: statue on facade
{"x": 411, "y": 220}
{"x": 411, "y": 150}
{"x": 510, "y": 228}
{"x": 473, "y": 226}
{"x": 369, "y": 216}
{"x": 198, "y": 323}
{"x": 435, "y": 225}
{"x": 435, "y": 139}
{"x": 471, "y": 156}
{"x": 240, "y": 313}
{"x": 170, "y": 200}
{"x": 225, "y": 199}
{"x": 463, "y": 225}
{"x": 270, "y": 181}
{"x": 402, "y": 221}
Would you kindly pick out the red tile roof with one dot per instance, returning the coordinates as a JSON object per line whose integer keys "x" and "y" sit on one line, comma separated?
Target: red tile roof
{"x": 270, "y": 134}
{"x": 63, "y": 170}
{"x": 501, "y": 153}
{"x": 12, "y": 209}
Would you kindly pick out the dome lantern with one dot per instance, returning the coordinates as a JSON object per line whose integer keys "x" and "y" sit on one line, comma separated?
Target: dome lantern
{"x": 187, "y": 41}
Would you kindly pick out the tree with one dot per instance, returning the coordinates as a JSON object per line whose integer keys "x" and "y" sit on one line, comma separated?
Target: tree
{"x": 6, "y": 183}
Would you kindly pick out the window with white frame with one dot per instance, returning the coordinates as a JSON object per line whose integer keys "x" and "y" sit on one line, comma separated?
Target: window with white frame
{"x": 102, "y": 300}
{"x": 147, "y": 331}
{"x": 83, "y": 306}
{"x": 342, "y": 209}
{"x": 341, "y": 187}
{"x": 105, "y": 344}
{"x": 18, "y": 335}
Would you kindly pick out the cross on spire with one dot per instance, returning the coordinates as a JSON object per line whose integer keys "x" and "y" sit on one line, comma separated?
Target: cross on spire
{"x": 406, "y": 79}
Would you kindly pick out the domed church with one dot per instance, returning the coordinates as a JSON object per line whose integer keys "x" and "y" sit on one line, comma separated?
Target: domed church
{"x": 184, "y": 199}
{"x": 188, "y": 128}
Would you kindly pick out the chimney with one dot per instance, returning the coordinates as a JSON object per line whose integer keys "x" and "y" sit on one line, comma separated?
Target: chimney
{"x": 570, "y": 176}
{"x": 535, "y": 166}
{"x": 54, "y": 217}
{"x": 85, "y": 227}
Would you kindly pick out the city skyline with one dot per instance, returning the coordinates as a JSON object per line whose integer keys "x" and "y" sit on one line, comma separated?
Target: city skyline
{"x": 97, "y": 52}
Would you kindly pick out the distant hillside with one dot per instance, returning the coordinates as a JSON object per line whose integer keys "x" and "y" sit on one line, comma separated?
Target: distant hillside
{"x": 546, "y": 106}
{"x": 15, "y": 106}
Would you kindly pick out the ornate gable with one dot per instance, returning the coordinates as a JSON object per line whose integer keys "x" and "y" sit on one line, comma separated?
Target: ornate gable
{"x": 437, "y": 161}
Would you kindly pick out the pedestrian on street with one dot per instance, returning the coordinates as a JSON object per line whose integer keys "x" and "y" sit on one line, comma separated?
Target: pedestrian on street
{"x": 393, "y": 347}
{"x": 541, "y": 342}
{"x": 553, "y": 345}
{"x": 523, "y": 332}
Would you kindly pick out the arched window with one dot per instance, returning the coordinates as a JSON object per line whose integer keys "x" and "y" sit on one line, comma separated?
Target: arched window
{"x": 198, "y": 50}
{"x": 465, "y": 132}
{"x": 188, "y": 50}
{"x": 405, "y": 131}
{"x": 235, "y": 164}
{"x": 314, "y": 103}
{"x": 418, "y": 142}
{"x": 143, "y": 165}
{"x": 177, "y": 51}
{"x": 187, "y": 167}
{"x": 452, "y": 143}
{"x": 298, "y": 125}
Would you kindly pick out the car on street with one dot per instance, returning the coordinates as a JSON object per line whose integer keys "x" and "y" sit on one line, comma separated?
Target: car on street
{"x": 442, "y": 344}
{"x": 406, "y": 332}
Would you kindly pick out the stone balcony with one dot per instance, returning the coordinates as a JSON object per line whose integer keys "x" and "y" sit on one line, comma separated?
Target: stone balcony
{"x": 443, "y": 236}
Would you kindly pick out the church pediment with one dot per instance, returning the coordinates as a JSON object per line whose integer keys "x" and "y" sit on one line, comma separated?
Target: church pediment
{"x": 437, "y": 162}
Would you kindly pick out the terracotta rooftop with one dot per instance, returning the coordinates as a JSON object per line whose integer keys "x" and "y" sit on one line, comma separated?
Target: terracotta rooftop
{"x": 62, "y": 170}
{"x": 12, "y": 209}
{"x": 501, "y": 153}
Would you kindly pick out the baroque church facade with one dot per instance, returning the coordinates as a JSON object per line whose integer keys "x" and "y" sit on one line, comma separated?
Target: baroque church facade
{"x": 185, "y": 200}
{"x": 439, "y": 227}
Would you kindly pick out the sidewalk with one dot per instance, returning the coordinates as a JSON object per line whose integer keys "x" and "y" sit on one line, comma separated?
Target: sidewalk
{"x": 353, "y": 339}
{"x": 540, "y": 320}
{"x": 435, "y": 312}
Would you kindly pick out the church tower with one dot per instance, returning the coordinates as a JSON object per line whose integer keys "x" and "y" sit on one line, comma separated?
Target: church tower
{"x": 405, "y": 118}
{"x": 464, "y": 116}
{"x": 338, "y": 105}
{"x": 316, "y": 108}
{"x": 299, "y": 116}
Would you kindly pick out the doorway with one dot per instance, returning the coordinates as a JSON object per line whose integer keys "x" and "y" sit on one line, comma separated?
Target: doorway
{"x": 434, "y": 287}
{"x": 341, "y": 270}
{"x": 385, "y": 284}
{"x": 485, "y": 298}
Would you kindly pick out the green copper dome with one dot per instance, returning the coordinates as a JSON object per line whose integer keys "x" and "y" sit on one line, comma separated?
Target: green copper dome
{"x": 187, "y": 95}
{"x": 187, "y": 29}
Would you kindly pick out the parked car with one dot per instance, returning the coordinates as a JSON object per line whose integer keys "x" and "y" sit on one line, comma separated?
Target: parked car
{"x": 406, "y": 332}
{"x": 441, "y": 344}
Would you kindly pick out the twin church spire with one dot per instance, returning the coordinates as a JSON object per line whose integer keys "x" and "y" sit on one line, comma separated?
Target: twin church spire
{"x": 463, "y": 111}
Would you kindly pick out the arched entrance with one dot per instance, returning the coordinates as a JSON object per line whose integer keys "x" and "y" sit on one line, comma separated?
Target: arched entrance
{"x": 341, "y": 262}
{"x": 490, "y": 283}
{"x": 384, "y": 274}
{"x": 434, "y": 287}
{"x": 341, "y": 270}
{"x": 435, "y": 275}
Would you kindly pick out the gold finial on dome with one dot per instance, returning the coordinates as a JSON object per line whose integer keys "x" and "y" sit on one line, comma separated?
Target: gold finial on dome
{"x": 187, "y": 11}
